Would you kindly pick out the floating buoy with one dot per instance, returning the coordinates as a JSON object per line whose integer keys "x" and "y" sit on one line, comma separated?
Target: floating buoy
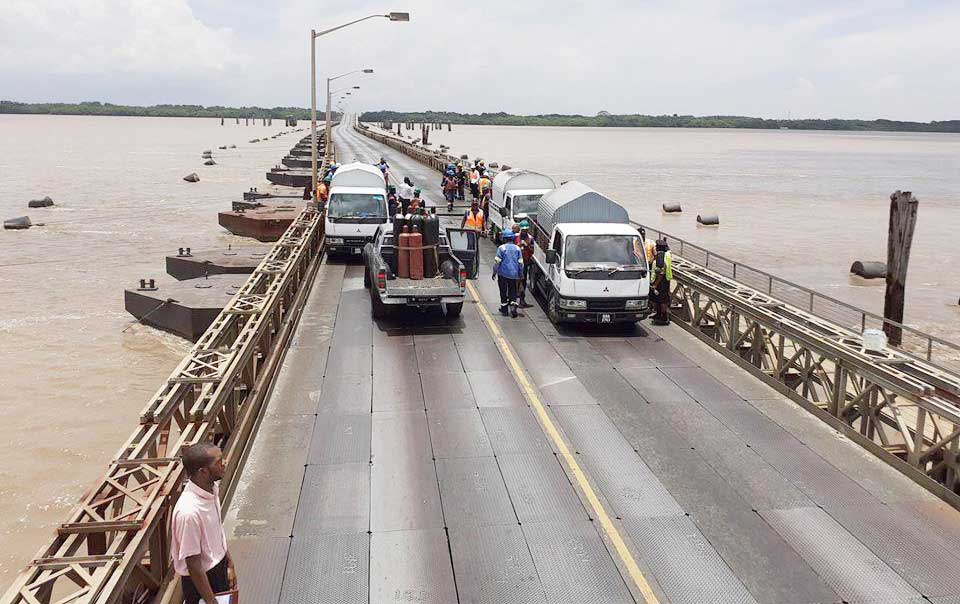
{"x": 17, "y": 224}
{"x": 46, "y": 202}
{"x": 464, "y": 156}
{"x": 672, "y": 208}
{"x": 222, "y": 147}
{"x": 192, "y": 177}
{"x": 708, "y": 219}
{"x": 210, "y": 162}
{"x": 207, "y": 152}
{"x": 869, "y": 269}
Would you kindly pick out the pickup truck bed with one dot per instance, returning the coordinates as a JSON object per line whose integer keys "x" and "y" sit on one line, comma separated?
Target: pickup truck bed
{"x": 386, "y": 289}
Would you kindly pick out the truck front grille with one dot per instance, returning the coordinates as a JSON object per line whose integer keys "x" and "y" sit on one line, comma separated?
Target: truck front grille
{"x": 605, "y": 305}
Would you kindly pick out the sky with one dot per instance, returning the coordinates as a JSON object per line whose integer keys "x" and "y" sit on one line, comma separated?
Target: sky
{"x": 816, "y": 58}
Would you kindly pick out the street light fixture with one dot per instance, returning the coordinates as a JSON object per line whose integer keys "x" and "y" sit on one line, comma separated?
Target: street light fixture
{"x": 328, "y": 125}
{"x": 314, "y": 34}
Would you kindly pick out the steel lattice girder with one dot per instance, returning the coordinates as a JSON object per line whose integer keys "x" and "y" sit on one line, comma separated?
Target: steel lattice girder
{"x": 905, "y": 407}
{"x": 114, "y": 546}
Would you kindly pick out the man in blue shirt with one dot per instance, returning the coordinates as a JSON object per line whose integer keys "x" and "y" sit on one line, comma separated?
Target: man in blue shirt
{"x": 507, "y": 270}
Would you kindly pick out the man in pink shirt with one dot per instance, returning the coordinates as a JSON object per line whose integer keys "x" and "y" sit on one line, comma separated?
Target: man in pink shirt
{"x": 198, "y": 544}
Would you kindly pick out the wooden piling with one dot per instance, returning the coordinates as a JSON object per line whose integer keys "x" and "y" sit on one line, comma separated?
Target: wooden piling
{"x": 903, "y": 218}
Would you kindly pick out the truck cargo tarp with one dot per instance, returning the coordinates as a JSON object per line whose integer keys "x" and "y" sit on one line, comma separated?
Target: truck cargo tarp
{"x": 357, "y": 175}
{"x": 576, "y": 202}
{"x": 516, "y": 180}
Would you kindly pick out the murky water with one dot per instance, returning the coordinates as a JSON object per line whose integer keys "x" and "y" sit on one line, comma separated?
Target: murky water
{"x": 71, "y": 383}
{"x": 802, "y": 205}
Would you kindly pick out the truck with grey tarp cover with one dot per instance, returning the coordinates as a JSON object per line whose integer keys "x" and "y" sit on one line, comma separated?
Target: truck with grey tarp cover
{"x": 589, "y": 263}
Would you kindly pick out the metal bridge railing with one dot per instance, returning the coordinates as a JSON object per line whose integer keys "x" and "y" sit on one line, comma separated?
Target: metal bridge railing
{"x": 937, "y": 351}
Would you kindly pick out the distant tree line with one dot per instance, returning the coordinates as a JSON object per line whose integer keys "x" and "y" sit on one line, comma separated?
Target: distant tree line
{"x": 98, "y": 108}
{"x": 655, "y": 121}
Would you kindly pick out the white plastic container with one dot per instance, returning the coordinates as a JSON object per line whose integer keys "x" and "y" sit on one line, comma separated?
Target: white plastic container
{"x": 874, "y": 340}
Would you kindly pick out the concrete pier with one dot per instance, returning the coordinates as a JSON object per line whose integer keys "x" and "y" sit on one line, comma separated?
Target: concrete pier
{"x": 239, "y": 260}
{"x": 185, "y": 308}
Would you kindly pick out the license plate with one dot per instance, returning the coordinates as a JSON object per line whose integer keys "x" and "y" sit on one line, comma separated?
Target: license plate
{"x": 356, "y": 250}
{"x": 604, "y": 318}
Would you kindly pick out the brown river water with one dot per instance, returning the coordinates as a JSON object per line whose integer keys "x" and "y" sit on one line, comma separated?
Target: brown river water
{"x": 802, "y": 205}
{"x": 72, "y": 383}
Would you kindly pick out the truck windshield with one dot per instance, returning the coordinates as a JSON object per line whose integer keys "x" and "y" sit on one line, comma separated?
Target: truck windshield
{"x": 603, "y": 252}
{"x": 357, "y": 205}
{"x": 525, "y": 204}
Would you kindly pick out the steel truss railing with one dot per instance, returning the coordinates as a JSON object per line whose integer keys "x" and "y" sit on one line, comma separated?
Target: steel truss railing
{"x": 114, "y": 547}
{"x": 902, "y": 408}
{"x": 903, "y": 404}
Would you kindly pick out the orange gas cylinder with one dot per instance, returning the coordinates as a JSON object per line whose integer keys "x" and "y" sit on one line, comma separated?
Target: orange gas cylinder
{"x": 403, "y": 254}
{"x": 416, "y": 255}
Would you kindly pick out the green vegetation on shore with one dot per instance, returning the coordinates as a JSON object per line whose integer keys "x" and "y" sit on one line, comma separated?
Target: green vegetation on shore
{"x": 98, "y": 108}
{"x": 654, "y": 121}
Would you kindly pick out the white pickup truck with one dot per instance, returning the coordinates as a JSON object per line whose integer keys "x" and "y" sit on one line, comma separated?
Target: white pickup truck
{"x": 356, "y": 208}
{"x": 515, "y": 192}
{"x": 589, "y": 263}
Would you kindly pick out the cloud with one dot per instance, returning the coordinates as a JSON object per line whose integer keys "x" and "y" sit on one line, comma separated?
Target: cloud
{"x": 753, "y": 57}
{"x": 142, "y": 37}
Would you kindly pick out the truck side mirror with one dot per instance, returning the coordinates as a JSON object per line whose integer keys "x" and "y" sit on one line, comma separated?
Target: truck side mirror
{"x": 503, "y": 212}
{"x": 551, "y": 256}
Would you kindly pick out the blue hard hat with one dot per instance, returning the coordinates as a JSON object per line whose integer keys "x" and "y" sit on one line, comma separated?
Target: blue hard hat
{"x": 507, "y": 234}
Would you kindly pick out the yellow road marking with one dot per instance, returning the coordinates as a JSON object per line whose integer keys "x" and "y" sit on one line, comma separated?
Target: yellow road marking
{"x": 551, "y": 430}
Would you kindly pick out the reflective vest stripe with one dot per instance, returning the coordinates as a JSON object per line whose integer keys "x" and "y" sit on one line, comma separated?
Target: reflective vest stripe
{"x": 474, "y": 221}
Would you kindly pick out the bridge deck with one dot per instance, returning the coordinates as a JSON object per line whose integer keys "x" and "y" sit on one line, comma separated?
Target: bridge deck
{"x": 399, "y": 461}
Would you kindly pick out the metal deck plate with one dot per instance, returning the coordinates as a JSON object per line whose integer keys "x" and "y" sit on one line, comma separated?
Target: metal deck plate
{"x": 479, "y": 354}
{"x": 395, "y": 355}
{"x": 449, "y": 390}
{"x": 327, "y": 568}
{"x": 340, "y": 439}
{"x": 760, "y": 484}
{"x": 851, "y": 569}
{"x": 575, "y": 351}
{"x": 400, "y": 435}
{"x": 574, "y": 565}
{"x": 542, "y": 363}
{"x": 410, "y": 566}
{"x": 495, "y": 388}
{"x": 260, "y": 562}
{"x": 396, "y": 391}
{"x": 653, "y": 385}
{"x": 334, "y": 499}
{"x": 473, "y": 493}
{"x": 493, "y": 566}
{"x": 769, "y": 568}
{"x": 686, "y": 566}
{"x": 299, "y": 382}
{"x": 658, "y": 353}
{"x": 265, "y": 502}
{"x": 437, "y": 354}
{"x": 700, "y": 385}
{"x": 345, "y": 394}
{"x": 404, "y": 495}
{"x": 350, "y": 359}
{"x": 906, "y": 544}
{"x": 620, "y": 353}
{"x": 566, "y": 392}
{"x": 514, "y": 430}
{"x": 458, "y": 433}
{"x": 539, "y": 489}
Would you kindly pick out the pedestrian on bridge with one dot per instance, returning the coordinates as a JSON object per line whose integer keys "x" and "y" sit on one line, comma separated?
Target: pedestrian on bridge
{"x": 662, "y": 269}
{"x": 461, "y": 177}
{"x": 507, "y": 270}
{"x": 526, "y": 245}
{"x": 405, "y": 193}
{"x": 475, "y": 183}
{"x": 198, "y": 544}
{"x": 473, "y": 218}
{"x": 450, "y": 190}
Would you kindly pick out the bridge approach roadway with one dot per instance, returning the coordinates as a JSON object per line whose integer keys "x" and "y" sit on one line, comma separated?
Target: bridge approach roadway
{"x": 488, "y": 459}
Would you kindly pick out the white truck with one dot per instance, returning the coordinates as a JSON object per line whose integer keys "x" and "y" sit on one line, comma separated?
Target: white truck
{"x": 356, "y": 208}
{"x": 515, "y": 192}
{"x": 589, "y": 263}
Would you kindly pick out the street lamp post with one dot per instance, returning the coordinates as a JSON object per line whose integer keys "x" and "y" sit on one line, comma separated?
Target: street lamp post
{"x": 314, "y": 34}
{"x": 329, "y": 124}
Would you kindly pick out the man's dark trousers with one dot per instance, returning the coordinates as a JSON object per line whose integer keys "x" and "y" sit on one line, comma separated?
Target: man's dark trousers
{"x": 218, "y": 583}
{"x": 508, "y": 291}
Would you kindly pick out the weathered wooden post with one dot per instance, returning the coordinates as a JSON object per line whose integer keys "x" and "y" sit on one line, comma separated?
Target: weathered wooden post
{"x": 449, "y": 126}
{"x": 903, "y": 217}
{"x": 221, "y": 120}
{"x": 398, "y": 129}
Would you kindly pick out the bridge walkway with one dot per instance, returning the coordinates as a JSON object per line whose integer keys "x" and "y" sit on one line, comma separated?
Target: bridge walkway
{"x": 403, "y": 460}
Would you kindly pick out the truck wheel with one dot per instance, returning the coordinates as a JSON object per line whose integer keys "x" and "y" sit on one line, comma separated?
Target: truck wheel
{"x": 553, "y": 308}
{"x": 453, "y": 309}
{"x": 366, "y": 278}
{"x": 378, "y": 309}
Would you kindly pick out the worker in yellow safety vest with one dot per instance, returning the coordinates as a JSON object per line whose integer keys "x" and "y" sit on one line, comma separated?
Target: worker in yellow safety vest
{"x": 662, "y": 269}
